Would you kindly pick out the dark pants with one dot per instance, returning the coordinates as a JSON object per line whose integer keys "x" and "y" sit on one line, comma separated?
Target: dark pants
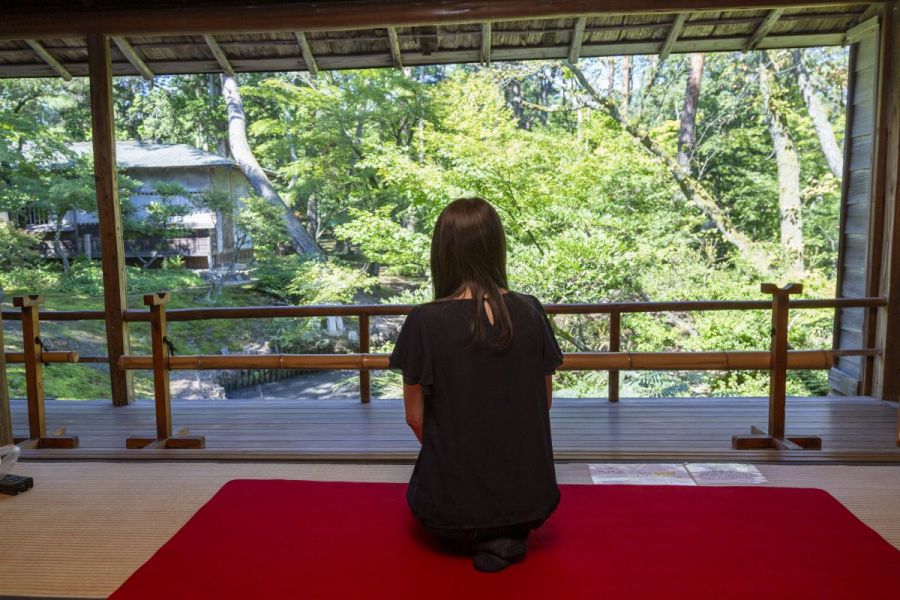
{"x": 465, "y": 540}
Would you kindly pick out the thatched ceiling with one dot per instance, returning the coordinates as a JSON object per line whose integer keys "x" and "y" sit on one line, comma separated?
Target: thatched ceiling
{"x": 444, "y": 41}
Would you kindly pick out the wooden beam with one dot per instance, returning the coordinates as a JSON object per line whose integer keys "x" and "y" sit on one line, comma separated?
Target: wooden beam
{"x": 134, "y": 58}
{"x": 763, "y": 30}
{"x": 394, "y": 44}
{"x": 672, "y": 37}
{"x": 887, "y": 366}
{"x": 49, "y": 59}
{"x": 6, "y": 435}
{"x": 577, "y": 39}
{"x": 262, "y": 17}
{"x": 309, "y": 60}
{"x": 485, "y": 44}
{"x": 219, "y": 55}
{"x": 109, "y": 216}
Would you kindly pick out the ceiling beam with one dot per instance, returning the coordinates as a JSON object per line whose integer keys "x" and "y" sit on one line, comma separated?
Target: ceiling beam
{"x": 763, "y": 30}
{"x": 394, "y": 43}
{"x": 49, "y": 59}
{"x": 486, "y": 44}
{"x": 308, "y": 59}
{"x": 219, "y": 54}
{"x": 577, "y": 39}
{"x": 674, "y": 31}
{"x": 21, "y": 20}
{"x": 134, "y": 58}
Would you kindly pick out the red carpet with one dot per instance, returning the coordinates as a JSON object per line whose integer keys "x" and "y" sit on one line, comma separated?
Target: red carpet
{"x": 304, "y": 539}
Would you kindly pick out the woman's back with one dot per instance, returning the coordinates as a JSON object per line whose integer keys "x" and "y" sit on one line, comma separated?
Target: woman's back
{"x": 487, "y": 455}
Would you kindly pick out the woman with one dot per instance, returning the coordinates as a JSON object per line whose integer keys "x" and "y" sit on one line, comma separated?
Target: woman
{"x": 477, "y": 367}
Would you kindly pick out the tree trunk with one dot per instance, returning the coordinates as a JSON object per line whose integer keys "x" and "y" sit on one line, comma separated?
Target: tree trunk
{"x": 57, "y": 244}
{"x": 690, "y": 188}
{"x": 788, "y": 165}
{"x": 312, "y": 215}
{"x": 626, "y": 85}
{"x": 819, "y": 115}
{"x": 687, "y": 133}
{"x": 243, "y": 155}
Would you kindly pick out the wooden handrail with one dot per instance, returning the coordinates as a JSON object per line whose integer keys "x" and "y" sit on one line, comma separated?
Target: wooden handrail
{"x": 355, "y": 310}
{"x": 581, "y": 361}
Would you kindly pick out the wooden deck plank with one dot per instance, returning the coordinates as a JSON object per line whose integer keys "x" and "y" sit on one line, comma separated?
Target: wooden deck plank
{"x": 583, "y": 428}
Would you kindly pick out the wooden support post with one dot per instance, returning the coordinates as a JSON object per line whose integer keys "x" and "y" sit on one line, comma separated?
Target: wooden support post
{"x": 109, "y": 216}
{"x": 34, "y": 378}
{"x": 6, "y": 435}
{"x": 34, "y": 375}
{"x": 886, "y": 382}
{"x": 615, "y": 341}
{"x": 161, "y": 392}
{"x": 775, "y": 437}
{"x": 365, "y": 383}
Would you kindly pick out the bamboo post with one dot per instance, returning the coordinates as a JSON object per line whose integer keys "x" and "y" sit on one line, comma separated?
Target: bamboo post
{"x": 161, "y": 391}
{"x": 775, "y": 437}
{"x": 365, "y": 382}
{"x": 34, "y": 377}
{"x": 615, "y": 340}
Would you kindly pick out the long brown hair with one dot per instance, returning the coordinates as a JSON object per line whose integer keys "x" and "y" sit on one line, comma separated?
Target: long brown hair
{"x": 468, "y": 250}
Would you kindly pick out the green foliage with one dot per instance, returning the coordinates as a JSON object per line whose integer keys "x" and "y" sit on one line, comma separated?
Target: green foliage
{"x": 17, "y": 249}
{"x": 369, "y": 158}
{"x": 263, "y": 223}
{"x": 381, "y": 239}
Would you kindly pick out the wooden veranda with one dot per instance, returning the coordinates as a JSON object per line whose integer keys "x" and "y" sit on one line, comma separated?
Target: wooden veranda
{"x": 101, "y": 40}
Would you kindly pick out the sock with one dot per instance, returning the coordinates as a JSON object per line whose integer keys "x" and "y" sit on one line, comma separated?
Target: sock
{"x": 507, "y": 548}
{"x": 489, "y": 563}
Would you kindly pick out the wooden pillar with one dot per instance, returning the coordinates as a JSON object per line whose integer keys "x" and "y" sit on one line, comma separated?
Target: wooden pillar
{"x": 365, "y": 382}
{"x": 109, "y": 215}
{"x": 615, "y": 342}
{"x": 6, "y": 436}
{"x": 886, "y": 383}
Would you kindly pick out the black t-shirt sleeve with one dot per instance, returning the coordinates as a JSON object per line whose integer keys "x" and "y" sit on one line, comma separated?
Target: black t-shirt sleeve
{"x": 552, "y": 355}
{"x": 412, "y": 353}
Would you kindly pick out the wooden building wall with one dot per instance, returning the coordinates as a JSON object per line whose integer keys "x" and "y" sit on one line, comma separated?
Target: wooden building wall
{"x": 846, "y": 378}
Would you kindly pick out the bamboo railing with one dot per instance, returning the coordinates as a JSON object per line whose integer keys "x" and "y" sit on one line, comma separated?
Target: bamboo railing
{"x": 777, "y": 360}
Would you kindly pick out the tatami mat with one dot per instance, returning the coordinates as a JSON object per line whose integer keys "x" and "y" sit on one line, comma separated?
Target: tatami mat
{"x": 85, "y": 527}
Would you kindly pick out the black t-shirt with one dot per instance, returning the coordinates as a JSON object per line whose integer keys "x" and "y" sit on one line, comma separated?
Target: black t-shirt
{"x": 487, "y": 456}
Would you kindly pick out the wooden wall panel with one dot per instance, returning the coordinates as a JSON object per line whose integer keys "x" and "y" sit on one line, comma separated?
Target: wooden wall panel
{"x": 856, "y": 212}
